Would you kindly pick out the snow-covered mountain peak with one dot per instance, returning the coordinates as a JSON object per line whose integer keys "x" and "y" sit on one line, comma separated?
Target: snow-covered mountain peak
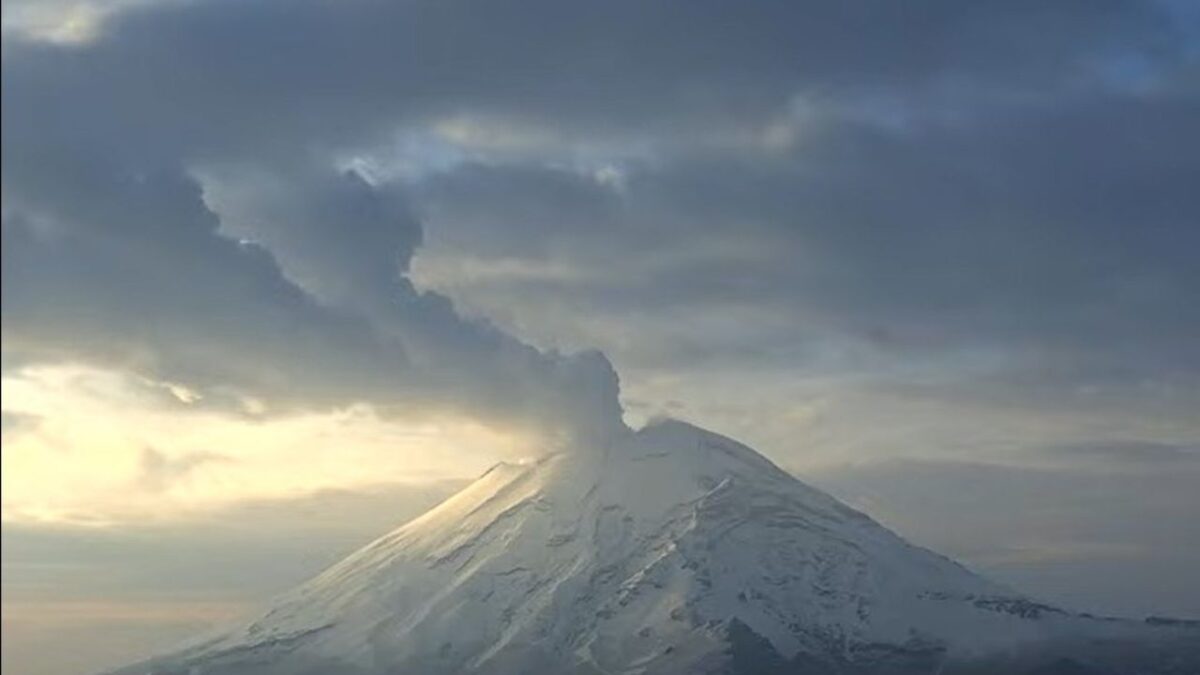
{"x": 668, "y": 550}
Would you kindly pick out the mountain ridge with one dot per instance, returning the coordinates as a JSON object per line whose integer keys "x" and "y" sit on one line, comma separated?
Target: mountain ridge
{"x": 668, "y": 550}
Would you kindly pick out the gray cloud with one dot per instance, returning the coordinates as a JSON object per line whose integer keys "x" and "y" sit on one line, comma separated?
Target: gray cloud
{"x": 1131, "y": 451}
{"x": 197, "y": 81}
{"x": 882, "y": 224}
{"x": 14, "y": 423}
{"x": 129, "y": 271}
{"x": 113, "y": 254}
{"x": 239, "y": 77}
{"x": 335, "y": 235}
{"x": 1081, "y": 537}
{"x": 159, "y": 471}
{"x": 1051, "y": 239}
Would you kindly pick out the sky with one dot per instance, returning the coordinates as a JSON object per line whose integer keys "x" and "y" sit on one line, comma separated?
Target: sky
{"x": 280, "y": 274}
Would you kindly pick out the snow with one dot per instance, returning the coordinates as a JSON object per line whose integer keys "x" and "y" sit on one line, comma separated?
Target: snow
{"x": 633, "y": 557}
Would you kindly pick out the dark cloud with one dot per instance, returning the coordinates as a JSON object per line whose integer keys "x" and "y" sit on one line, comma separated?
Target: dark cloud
{"x": 882, "y": 224}
{"x": 129, "y": 271}
{"x": 197, "y": 81}
{"x": 261, "y": 75}
{"x": 1059, "y": 236}
{"x": 295, "y": 297}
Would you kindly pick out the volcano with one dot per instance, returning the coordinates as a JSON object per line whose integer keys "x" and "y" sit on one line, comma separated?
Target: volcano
{"x": 669, "y": 550}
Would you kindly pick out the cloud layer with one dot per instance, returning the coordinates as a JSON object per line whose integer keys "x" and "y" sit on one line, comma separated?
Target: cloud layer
{"x": 998, "y": 178}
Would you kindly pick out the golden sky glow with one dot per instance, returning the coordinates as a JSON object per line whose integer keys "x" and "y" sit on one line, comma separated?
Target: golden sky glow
{"x": 98, "y": 446}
